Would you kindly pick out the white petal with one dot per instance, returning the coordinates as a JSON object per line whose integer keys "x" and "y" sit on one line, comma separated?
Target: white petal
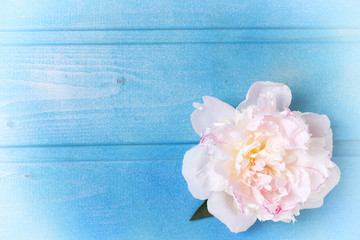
{"x": 294, "y": 131}
{"x": 331, "y": 182}
{"x": 195, "y": 171}
{"x": 315, "y": 199}
{"x": 319, "y": 127}
{"x": 312, "y": 203}
{"x": 279, "y": 91}
{"x": 211, "y": 111}
{"x": 222, "y": 206}
{"x": 299, "y": 190}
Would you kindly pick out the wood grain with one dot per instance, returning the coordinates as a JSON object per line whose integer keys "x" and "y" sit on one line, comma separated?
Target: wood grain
{"x": 144, "y": 200}
{"x": 96, "y": 97}
{"x": 137, "y": 94}
{"x": 178, "y": 36}
{"x": 123, "y": 14}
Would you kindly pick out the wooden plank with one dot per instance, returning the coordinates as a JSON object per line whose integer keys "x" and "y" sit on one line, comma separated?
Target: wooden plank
{"x": 178, "y": 36}
{"x": 92, "y": 14}
{"x": 145, "y": 200}
{"x": 123, "y": 153}
{"x": 143, "y": 94}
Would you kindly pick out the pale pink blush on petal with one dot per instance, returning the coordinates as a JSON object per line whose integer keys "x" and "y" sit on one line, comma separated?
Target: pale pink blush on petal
{"x": 316, "y": 198}
{"x": 280, "y": 91}
{"x": 331, "y": 182}
{"x": 211, "y": 111}
{"x": 319, "y": 127}
{"x": 194, "y": 163}
{"x": 222, "y": 206}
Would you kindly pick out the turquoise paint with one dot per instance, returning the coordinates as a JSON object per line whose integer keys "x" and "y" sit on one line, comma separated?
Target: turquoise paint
{"x": 147, "y": 14}
{"x": 69, "y": 95}
{"x": 96, "y": 97}
{"x": 145, "y": 200}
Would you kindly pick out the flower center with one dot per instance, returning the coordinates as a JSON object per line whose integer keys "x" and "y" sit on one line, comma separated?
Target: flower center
{"x": 255, "y": 163}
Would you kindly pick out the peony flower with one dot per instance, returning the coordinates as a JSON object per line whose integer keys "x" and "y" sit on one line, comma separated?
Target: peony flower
{"x": 260, "y": 160}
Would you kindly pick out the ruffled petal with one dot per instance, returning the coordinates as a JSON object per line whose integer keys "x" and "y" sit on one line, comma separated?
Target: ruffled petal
{"x": 211, "y": 111}
{"x": 331, "y": 182}
{"x": 312, "y": 202}
{"x": 299, "y": 188}
{"x": 319, "y": 127}
{"x": 195, "y": 171}
{"x": 294, "y": 131}
{"x": 315, "y": 199}
{"x": 222, "y": 206}
{"x": 278, "y": 92}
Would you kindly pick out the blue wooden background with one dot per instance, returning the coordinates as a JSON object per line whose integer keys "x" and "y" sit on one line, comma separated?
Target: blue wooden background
{"x": 96, "y": 97}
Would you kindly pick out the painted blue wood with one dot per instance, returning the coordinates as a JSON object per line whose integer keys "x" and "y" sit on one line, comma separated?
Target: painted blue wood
{"x": 126, "y": 94}
{"x": 145, "y": 200}
{"x": 106, "y": 153}
{"x": 178, "y": 36}
{"x": 96, "y": 97}
{"x": 94, "y": 14}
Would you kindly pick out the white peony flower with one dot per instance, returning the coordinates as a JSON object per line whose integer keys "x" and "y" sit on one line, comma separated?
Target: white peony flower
{"x": 260, "y": 160}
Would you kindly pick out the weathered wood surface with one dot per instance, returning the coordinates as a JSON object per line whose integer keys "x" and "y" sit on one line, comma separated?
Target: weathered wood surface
{"x": 144, "y": 200}
{"x": 96, "y": 97}
{"x": 148, "y": 14}
{"x": 137, "y": 94}
{"x": 179, "y": 36}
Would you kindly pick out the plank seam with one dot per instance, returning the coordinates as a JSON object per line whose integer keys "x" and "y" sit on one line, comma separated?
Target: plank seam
{"x": 174, "y": 28}
{"x": 336, "y": 143}
{"x": 219, "y": 36}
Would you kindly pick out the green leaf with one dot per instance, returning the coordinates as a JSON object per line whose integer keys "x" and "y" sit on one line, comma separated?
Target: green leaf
{"x": 201, "y": 212}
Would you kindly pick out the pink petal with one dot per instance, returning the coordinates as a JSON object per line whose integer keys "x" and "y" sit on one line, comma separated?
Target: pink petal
{"x": 313, "y": 203}
{"x": 299, "y": 188}
{"x": 222, "y": 206}
{"x": 317, "y": 158}
{"x": 211, "y": 111}
{"x": 279, "y": 91}
{"x": 315, "y": 199}
{"x": 195, "y": 171}
{"x": 226, "y": 169}
{"x": 319, "y": 126}
{"x": 331, "y": 182}
{"x": 295, "y": 131}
